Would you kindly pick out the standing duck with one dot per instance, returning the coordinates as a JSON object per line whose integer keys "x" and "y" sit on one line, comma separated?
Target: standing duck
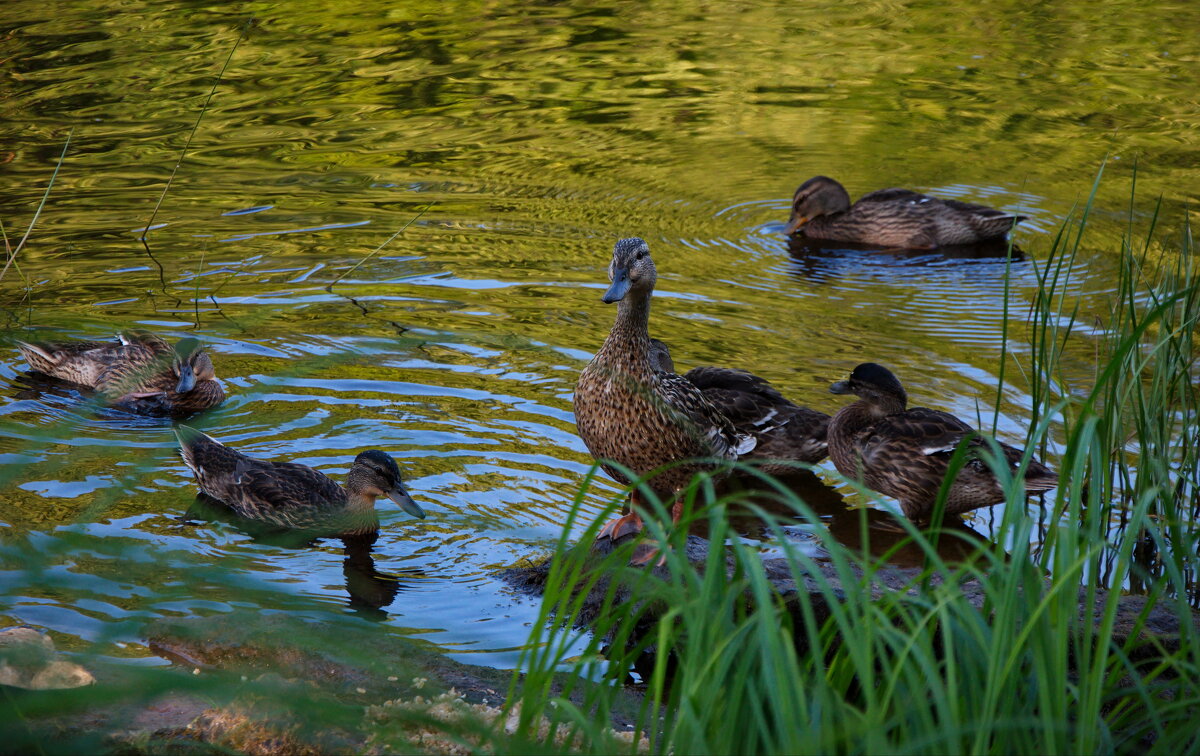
{"x": 289, "y": 495}
{"x": 892, "y": 217}
{"x": 785, "y": 432}
{"x": 139, "y": 372}
{"x": 904, "y": 453}
{"x": 638, "y": 417}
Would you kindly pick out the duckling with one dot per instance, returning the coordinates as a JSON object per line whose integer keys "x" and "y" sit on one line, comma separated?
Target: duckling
{"x": 641, "y": 418}
{"x": 140, "y": 372}
{"x": 784, "y": 431}
{"x": 904, "y": 453}
{"x": 892, "y": 217}
{"x": 289, "y": 495}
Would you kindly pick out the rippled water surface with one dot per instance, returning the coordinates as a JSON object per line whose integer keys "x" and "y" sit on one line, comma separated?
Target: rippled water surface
{"x": 527, "y": 138}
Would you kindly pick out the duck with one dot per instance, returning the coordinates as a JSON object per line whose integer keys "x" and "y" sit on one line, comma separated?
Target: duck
{"x": 785, "y": 432}
{"x": 898, "y": 218}
{"x": 905, "y": 452}
{"x": 139, "y": 372}
{"x": 291, "y": 496}
{"x": 643, "y": 419}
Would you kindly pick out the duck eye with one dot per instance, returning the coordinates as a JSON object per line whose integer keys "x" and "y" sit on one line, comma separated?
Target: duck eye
{"x": 640, "y": 254}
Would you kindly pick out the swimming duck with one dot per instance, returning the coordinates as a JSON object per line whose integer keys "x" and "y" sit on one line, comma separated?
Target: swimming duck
{"x": 629, "y": 413}
{"x": 784, "y": 431}
{"x": 892, "y": 217}
{"x": 904, "y": 453}
{"x": 139, "y": 372}
{"x": 290, "y": 495}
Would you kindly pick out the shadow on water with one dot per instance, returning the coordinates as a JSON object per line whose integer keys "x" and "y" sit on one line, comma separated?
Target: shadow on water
{"x": 808, "y": 256}
{"x": 369, "y": 589}
{"x": 864, "y": 530}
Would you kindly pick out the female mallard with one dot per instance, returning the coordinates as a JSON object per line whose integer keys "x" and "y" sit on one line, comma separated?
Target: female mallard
{"x": 290, "y": 495}
{"x": 629, "y": 413}
{"x": 892, "y": 217}
{"x": 904, "y": 453}
{"x": 140, "y": 372}
{"x": 784, "y": 431}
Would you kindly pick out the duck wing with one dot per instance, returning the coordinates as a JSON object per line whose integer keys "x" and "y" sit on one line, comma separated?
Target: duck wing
{"x": 277, "y": 492}
{"x": 713, "y": 428}
{"x": 918, "y": 431}
{"x": 749, "y": 402}
{"x": 893, "y": 195}
{"x": 283, "y": 493}
{"x": 136, "y": 365}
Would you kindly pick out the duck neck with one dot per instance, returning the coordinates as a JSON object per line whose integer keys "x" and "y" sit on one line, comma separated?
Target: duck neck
{"x": 629, "y": 340}
{"x": 358, "y": 500}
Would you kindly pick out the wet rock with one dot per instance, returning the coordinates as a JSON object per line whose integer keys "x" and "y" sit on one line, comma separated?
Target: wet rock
{"x": 1150, "y": 634}
{"x": 29, "y": 660}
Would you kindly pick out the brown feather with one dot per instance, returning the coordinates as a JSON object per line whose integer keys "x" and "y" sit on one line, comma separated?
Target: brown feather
{"x": 627, "y": 412}
{"x": 893, "y": 217}
{"x": 137, "y": 373}
{"x": 905, "y": 453}
{"x": 287, "y": 495}
{"x": 784, "y": 431}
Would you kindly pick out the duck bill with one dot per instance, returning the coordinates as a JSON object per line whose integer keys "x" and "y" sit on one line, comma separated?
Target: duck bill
{"x": 794, "y": 224}
{"x": 187, "y": 378}
{"x": 841, "y": 387}
{"x": 401, "y": 497}
{"x": 619, "y": 288}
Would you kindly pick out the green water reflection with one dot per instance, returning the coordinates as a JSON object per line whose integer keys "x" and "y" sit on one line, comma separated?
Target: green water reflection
{"x": 536, "y": 134}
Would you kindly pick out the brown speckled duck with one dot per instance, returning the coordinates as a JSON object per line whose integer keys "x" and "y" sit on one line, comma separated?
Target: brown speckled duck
{"x": 289, "y": 495}
{"x": 785, "y": 432}
{"x": 629, "y": 413}
{"x": 139, "y": 372}
{"x": 904, "y": 453}
{"x": 821, "y": 209}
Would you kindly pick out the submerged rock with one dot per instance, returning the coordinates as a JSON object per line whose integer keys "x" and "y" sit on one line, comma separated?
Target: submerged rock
{"x": 29, "y": 660}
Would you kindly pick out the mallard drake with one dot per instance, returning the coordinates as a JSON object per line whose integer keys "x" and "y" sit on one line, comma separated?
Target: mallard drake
{"x": 904, "y": 453}
{"x": 289, "y": 495}
{"x": 892, "y": 217}
{"x": 641, "y": 418}
{"x": 784, "y": 431}
{"x": 139, "y": 372}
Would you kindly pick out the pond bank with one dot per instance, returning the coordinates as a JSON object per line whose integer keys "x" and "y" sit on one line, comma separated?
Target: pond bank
{"x": 1148, "y": 633}
{"x": 273, "y": 684}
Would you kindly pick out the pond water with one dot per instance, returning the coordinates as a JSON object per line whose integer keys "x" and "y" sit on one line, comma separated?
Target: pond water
{"x": 527, "y": 137}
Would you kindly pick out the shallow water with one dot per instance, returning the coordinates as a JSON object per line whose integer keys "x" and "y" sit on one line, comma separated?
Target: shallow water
{"x": 527, "y": 139}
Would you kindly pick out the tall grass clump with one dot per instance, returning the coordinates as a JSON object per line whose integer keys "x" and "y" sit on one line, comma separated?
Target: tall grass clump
{"x": 1029, "y": 648}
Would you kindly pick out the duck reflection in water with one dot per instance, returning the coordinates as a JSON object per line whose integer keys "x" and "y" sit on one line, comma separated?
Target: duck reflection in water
{"x": 881, "y": 537}
{"x": 811, "y": 258}
{"x": 369, "y": 589}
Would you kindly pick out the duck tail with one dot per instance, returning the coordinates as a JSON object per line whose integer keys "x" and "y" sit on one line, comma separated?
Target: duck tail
{"x": 38, "y": 356}
{"x": 190, "y": 443}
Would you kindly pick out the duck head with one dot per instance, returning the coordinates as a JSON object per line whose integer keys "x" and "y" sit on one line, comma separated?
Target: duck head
{"x": 874, "y": 384}
{"x": 820, "y": 195}
{"x": 191, "y": 364}
{"x": 631, "y": 269}
{"x": 375, "y": 474}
